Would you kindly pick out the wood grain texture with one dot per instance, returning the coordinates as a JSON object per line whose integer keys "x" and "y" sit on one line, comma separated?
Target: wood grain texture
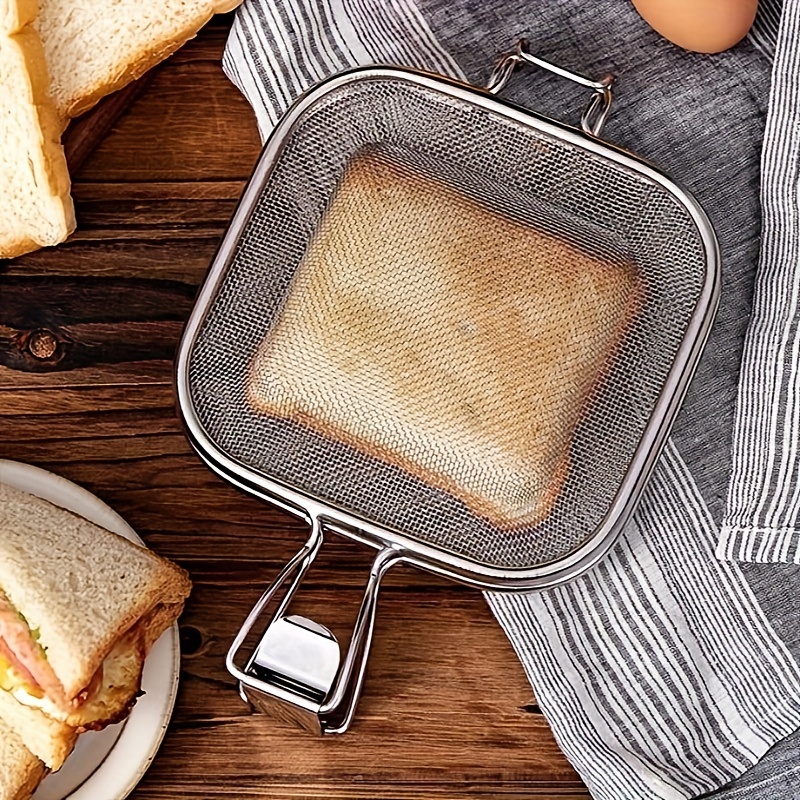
{"x": 447, "y": 711}
{"x": 85, "y": 134}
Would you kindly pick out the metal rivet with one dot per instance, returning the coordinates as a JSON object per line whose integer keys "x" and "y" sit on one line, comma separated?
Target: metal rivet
{"x": 42, "y": 344}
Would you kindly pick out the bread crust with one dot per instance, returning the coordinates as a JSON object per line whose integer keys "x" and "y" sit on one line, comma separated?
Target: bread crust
{"x": 12, "y": 248}
{"x": 503, "y": 451}
{"x": 18, "y": 14}
{"x": 31, "y": 777}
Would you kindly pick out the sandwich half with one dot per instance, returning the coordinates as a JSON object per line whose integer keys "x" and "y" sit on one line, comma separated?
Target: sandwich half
{"x": 80, "y": 607}
{"x": 20, "y": 770}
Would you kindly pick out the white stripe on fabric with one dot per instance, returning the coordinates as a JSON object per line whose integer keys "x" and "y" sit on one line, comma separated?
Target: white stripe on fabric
{"x": 764, "y": 33}
{"x": 763, "y": 504}
{"x": 240, "y": 63}
{"x": 277, "y": 51}
{"x": 712, "y": 591}
{"x": 656, "y": 655}
{"x": 579, "y": 726}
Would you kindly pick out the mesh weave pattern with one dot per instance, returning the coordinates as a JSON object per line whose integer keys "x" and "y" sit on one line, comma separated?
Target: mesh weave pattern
{"x": 447, "y": 323}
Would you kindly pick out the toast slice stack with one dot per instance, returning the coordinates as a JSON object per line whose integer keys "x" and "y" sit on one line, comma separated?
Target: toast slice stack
{"x": 35, "y": 205}
{"x": 57, "y": 59}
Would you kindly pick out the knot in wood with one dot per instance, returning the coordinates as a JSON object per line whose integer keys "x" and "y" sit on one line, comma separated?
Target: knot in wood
{"x": 42, "y": 344}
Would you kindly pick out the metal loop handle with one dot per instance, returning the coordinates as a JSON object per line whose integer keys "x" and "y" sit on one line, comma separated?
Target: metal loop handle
{"x": 596, "y": 112}
{"x": 294, "y": 672}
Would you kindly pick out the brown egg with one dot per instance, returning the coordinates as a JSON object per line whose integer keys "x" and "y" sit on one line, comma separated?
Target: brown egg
{"x": 706, "y": 26}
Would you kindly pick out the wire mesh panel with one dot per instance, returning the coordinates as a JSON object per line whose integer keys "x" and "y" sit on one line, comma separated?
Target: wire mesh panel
{"x": 447, "y": 322}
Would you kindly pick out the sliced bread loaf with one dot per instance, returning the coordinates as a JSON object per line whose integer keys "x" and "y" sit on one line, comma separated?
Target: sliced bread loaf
{"x": 35, "y": 205}
{"x": 95, "y": 47}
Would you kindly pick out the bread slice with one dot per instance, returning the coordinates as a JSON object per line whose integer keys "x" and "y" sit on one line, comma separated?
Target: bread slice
{"x": 35, "y": 205}
{"x": 433, "y": 333}
{"x": 48, "y": 739}
{"x": 20, "y": 771}
{"x": 95, "y": 47}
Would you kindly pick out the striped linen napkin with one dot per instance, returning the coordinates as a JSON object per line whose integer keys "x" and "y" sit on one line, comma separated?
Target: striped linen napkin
{"x": 665, "y": 673}
{"x": 761, "y": 522}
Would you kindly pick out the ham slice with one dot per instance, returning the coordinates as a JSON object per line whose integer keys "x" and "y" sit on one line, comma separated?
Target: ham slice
{"x": 23, "y": 652}
{"x": 16, "y": 664}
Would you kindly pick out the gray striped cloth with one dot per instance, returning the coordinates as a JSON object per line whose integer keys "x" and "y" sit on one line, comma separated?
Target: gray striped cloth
{"x": 763, "y": 505}
{"x": 665, "y": 673}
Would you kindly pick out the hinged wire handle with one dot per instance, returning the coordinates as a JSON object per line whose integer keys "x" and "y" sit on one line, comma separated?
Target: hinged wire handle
{"x": 596, "y": 113}
{"x": 294, "y": 672}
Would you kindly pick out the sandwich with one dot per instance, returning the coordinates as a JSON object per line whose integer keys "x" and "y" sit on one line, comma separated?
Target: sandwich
{"x": 80, "y": 608}
{"x": 20, "y": 770}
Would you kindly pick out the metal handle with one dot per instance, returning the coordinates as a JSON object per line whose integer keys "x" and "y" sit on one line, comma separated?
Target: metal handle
{"x": 596, "y": 112}
{"x": 294, "y": 672}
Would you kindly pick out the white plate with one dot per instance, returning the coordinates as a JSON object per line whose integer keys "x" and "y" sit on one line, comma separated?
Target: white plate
{"x": 107, "y": 765}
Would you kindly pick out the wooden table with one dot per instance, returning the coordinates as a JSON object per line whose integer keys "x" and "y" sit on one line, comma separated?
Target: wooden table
{"x": 87, "y": 335}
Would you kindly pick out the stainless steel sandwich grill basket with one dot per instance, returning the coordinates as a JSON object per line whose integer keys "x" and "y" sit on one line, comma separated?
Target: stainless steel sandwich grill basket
{"x": 363, "y": 301}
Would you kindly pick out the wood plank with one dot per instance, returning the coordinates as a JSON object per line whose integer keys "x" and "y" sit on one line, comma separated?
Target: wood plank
{"x": 265, "y": 786}
{"x": 55, "y": 324}
{"x": 437, "y": 665}
{"x": 163, "y": 191}
{"x": 34, "y": 402}
{"x": 152, "y": 373}
{"x": 204, "y": 125}
{"x": 84, "y": 134}
{"x": 184, "y": 257}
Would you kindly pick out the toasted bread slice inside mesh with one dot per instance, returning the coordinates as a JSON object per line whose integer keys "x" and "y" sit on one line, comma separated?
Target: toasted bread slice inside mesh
{"x": 431, "y": 332}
